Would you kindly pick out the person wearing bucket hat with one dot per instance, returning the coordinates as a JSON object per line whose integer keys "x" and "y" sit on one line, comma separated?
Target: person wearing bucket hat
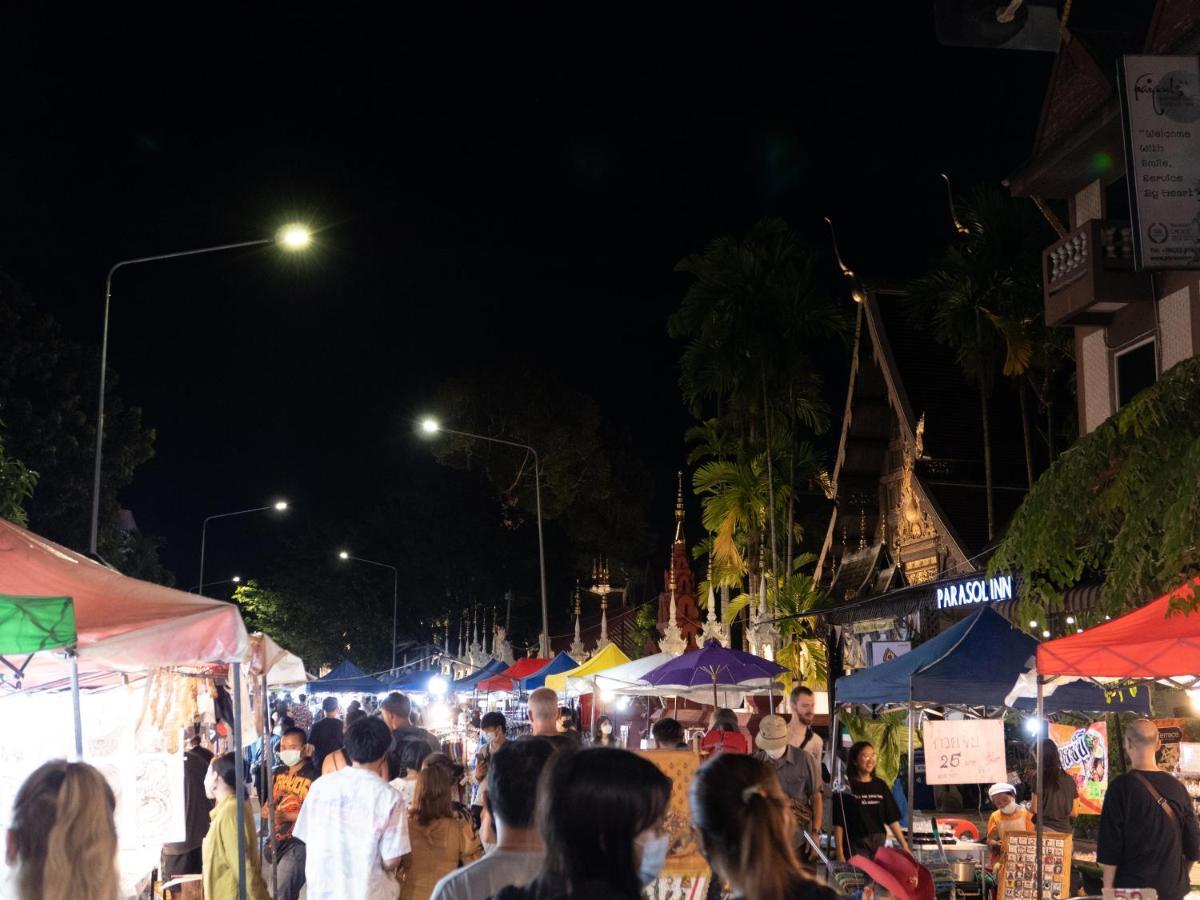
{"x": 894, "y": 873}
{"x": 798, "y": 775}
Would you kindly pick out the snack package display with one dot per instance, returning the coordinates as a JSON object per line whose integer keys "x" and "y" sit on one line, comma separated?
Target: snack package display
{"x": 1084, "y": 755}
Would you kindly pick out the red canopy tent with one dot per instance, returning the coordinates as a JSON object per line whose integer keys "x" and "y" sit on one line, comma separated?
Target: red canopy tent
{"x": 1151, "y": 642}
{"x": 505, "y": 681}
{"x": 123, "y": 624}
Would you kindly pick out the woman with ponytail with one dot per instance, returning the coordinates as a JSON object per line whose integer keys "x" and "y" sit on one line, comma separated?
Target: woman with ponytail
{"x": 62, "y": 842}
{"x": 744, "y": 821}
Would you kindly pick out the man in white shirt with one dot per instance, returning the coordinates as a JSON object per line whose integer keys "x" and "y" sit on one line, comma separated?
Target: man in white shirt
{"x": 354, "y": 825}
{"x": 511, "y": 798}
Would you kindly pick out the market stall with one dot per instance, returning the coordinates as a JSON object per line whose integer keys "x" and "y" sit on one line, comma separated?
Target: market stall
{"x": 606, "y": 659}
{"x": 468, "y": 684}
{"x": 508, "y": 681}
{"x": 563, "y": 662}
{"x": 346, "y": 678}
{"x": 136, "y": 643}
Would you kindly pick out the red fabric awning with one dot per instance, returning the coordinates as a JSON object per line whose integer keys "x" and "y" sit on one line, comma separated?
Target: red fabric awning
{"x": 522, "y": 668}
{"x": 123, "y": 624}
{"x": 1150, "y": 642}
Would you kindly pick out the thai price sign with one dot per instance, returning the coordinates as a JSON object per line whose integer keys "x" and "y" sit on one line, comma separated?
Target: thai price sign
{"x": 967, "y": 751}
{"x": 1083, "y": 753}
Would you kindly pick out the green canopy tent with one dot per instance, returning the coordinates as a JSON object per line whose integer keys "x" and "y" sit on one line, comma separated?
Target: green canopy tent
{"x": 31, "y": 625}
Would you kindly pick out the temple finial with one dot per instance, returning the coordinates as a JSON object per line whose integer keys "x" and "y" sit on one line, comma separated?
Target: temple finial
{"x": 679, "y": 508}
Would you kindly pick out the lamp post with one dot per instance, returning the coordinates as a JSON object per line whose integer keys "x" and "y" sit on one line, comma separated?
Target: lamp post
{"x": 278, "y": 506}
{"x": 343, "y": 554}
{"x": 236, "y": 579}
{"x": 432, "y": 426}
{"x": 290, "y": 237}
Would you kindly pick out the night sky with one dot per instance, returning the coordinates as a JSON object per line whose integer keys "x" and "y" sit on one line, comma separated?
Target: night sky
{"x": 484, "y": 191}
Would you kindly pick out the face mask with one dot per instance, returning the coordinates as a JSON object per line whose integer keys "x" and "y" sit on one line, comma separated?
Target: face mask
{"x": 606, "y": 729}
{"x": 654, "y": 857}
{"x": 777, "y": 754}
{"x": 210, "y": 783}
{"x": 289, "y": 757}
{"x": 1009, "y": 808}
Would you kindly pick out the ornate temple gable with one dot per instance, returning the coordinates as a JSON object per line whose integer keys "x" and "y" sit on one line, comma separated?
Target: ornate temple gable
{"x": 1078, "y": 88}
{"x": 680, "y": 583}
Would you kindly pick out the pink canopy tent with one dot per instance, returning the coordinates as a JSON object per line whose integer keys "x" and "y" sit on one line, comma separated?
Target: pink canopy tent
{"x": 123, "y": 624}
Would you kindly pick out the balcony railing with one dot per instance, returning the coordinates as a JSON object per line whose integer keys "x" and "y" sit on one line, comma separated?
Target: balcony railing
{"x": 1088, "y": 275}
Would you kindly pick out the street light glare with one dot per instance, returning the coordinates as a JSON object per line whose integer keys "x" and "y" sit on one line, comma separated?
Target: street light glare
{"x": 342, "y": 554}
{"x": 236, "y": 579}
{"x": 294, "y": 237}
{"x": 281, "y": 505}
{"x": 430, "y": 425}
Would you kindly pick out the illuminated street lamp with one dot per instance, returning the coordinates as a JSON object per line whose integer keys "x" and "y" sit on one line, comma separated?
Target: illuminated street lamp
{"x": 292, "y": 238}
{"x": 277, "y": 506}
{"x": 430, "y": 425}
{"x": 345, "y": 554}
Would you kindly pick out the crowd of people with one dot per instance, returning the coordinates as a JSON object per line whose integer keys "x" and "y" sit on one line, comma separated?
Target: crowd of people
{"x": 369, "y": 808}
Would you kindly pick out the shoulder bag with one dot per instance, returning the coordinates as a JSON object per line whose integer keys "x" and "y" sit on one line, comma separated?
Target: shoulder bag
{"x": 1189, "y": 828}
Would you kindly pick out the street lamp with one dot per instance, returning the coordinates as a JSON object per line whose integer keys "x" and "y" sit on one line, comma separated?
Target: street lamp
{"x": 278, "y": 506}
{"x": 291, "y": 237}
{"x": 236, "y": 579}
{"x": 345, "y": 554}
{"x": 430, "y": 425}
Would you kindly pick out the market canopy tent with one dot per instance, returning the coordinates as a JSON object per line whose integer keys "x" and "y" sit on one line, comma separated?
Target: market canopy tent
{"x": 346, "y": 678}
{"x": 509, "y": 678}
{"x": 122, "y": 624}
{"x": 973, "y": 663}
{"x": 626, "y": 678}
{"x": 561, "y": 663}
{"x": 607, "y": 658}
{"x": 715, "y": 667}
{"x": 493, "y": 667}
{"x": 281, "y": 667}
{"x": 1150, "y": 642}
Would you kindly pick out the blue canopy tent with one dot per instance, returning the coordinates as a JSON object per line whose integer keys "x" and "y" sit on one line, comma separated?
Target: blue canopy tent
{"x": 346, "y": 678}
{"x": 975, "y": 662}
{"x": 561, "y": 663}
{"x": 493, "y": 667}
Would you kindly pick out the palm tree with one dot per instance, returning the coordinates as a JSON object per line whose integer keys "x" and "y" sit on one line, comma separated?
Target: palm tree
{"x": 984, "y": 300}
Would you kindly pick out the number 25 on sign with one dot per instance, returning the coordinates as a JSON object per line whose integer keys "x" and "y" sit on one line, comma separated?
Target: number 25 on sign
{"x": 968, "y": 751}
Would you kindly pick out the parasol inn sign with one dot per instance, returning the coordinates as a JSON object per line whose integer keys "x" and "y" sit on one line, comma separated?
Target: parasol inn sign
{"x": 972, "y": 591}
{"x": 1160, "y": 112}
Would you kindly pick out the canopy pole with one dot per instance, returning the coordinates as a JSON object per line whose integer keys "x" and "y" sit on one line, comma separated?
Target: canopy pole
{"x": 912, "y": 818}
{"x": 73, "y": 656}
{"x": 239, "y": 787}
{"x": 1041, "y": 797}
{"x": 269, "y": 781}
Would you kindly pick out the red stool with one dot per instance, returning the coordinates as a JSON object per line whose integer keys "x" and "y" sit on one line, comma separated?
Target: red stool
{"x": 961, "y": 828}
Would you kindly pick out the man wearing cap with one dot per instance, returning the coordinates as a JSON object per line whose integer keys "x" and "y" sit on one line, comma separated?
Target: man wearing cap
{"x": 896, "y": 874}
{"x": 1009, "y": 815}
{"x": 798, "y": 775}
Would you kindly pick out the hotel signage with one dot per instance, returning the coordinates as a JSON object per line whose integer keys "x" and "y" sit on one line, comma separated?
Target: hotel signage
{"x": 972, "y": 591}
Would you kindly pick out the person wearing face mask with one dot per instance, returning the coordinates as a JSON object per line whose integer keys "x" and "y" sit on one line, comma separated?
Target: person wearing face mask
{"x": 604, "y": 733}
{"x": 798, "y": 775}
{"x": 600, "y": 815}
{"x": 220, "y": 848}
{"x": 1009, "y": 816}
{"x": 291, "y": 781}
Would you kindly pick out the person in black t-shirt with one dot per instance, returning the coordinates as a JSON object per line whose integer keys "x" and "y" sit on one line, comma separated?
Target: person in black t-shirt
{"x": 326, "y": 735}
{"x": 863, "y": 815}
{"x": 1140, "y": 844}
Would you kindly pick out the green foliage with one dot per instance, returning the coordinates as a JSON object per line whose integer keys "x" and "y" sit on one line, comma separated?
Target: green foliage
{"x": 48, "y": 389}
{"x": 1121, "y": 505}
{"x": 888, "y": 733}
{"x": 17, "y": 482}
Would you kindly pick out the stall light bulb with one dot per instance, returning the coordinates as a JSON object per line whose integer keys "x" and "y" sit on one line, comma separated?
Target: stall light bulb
{"x": 1079, "y": 631}
{"x": 1033, "y": 726}
{"x": 1070, "y": 620}
{"x": 1033, "y": 624}
{"x": 1045, "y": 633}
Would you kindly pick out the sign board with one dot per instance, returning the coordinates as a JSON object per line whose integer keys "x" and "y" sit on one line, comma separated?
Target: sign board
{"x": 969, "y": 751}
{"x": 1172, "y": 733}
{"x": 970, "y": 591}
{"x": 1018, "y": 866}
{"x": 1083, "y": 753}
{"x": 886, "y": 651}
{"x": 1189, "y": 758}
{"x": 1160, "y": 114}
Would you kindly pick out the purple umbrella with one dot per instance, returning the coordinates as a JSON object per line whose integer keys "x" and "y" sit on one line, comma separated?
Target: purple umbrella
{"x": 718, "y": 666}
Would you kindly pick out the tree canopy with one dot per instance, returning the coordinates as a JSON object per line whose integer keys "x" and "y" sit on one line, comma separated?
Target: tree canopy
{"x": 1121, "y": 506}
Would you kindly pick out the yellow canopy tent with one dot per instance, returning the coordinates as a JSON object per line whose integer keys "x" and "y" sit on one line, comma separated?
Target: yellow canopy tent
{"x": 607, "y": 658}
